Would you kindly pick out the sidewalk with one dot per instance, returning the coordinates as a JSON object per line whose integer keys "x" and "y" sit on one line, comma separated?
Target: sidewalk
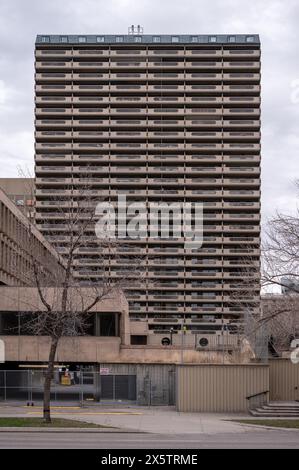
{"x": 157, "y": 420}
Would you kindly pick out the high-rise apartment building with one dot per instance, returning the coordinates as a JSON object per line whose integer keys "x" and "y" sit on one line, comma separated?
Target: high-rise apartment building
{"x": 159, "y": 118}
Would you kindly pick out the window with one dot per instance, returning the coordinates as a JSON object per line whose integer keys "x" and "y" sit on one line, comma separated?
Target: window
{"x": 119, "y": 39}
{"x": 175, "y": 39}
{"x": 82, "y": 39}
{"x": 194, "y": 39}
{"x": 232, "y": 39}
{"x": 100, "y": 38}
{"x": 156, "y": 39}
{"x": 249, "y": 39}
{"x": 9, "y": 323}
{"x": 107, "y": 325}
{"x": 137, "y": 39}
{"x": 63, "y": 38}
{"x": 213, "y": 39}
{"x": 45, "y": 39}
{"x": 138, "y": 340}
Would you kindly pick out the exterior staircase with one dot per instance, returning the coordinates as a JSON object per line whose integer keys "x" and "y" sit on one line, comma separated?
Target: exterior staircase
{"x": 277, "y": 410}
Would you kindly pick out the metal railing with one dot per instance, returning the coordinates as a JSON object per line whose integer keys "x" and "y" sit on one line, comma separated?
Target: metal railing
{"x": 258, "y": 399}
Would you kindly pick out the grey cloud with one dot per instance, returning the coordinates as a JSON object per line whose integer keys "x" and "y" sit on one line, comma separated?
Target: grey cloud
{"x": 275, "y": 21}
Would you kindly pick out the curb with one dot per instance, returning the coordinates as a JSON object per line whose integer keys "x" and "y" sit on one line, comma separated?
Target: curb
{"x": 72, "y": 430}
{"x": 262, "y": 426}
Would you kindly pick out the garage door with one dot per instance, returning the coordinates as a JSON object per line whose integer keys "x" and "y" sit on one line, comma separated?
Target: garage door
{"x": 118, "y": 387}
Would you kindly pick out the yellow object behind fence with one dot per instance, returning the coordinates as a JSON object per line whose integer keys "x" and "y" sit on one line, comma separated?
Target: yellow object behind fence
{"x": 65, "y": 380}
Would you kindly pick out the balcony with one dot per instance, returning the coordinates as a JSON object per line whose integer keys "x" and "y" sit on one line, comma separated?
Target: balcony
{"x": 90, "y": 52}
{"x": 241, "y": 181}
{"x": 52, "y": 157}
{"x": 241, "y": 170}
{"x": 241, "y": 65}
{"x": 241, "y": 76}
{"x": 203, "y": 53}
{"x": 242, "y": 53}
{"x": 242, "y": 88}
{"x": 53, "y": 65}
{"x": 53, "y": 53}
{"x": 241, "y": 216}
{"x": 242, "y": 193}
{"x": 53, "y": 146}
{"x": 44, "y": 100}
{"x": 254, "y": 100}
{"x": 255, "y": 112}
{"x": 241, "y": 228}
{"x": 53, "y": 77}
{"x": 241, "y": 158}
{"x": 244, "y": 205}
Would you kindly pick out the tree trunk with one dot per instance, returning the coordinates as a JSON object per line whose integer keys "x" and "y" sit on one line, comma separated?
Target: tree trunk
{"x": 48, "y": 379}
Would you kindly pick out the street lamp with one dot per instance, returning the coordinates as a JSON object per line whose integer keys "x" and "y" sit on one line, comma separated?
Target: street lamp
{"x": 171, "y": 333}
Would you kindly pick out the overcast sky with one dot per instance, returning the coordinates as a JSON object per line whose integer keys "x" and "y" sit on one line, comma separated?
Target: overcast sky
{"x": 275, "y": 21}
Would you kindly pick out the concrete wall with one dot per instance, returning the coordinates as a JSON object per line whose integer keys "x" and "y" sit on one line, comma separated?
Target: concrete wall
{"x": 219, "y": 388}
{"x": 284, "y": 380}
{"x": 21, "y": 186}
{"x": 34, "y": 349}
{"x": 77, "y": 349}
{"x": 159, "y": 354}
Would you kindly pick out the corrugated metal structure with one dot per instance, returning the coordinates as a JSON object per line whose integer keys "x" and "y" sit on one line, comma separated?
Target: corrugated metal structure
{"x": 155, "y": 383}
{"x": 220, "y": 388}
{"x": 284, "y": 380}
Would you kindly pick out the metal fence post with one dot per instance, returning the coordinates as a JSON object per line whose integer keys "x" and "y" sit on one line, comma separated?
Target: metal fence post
{"x": 31, "y": 387}
{"x": 28, "y": 387}
{"x": 81, "y": 393}
{"x": 5, "y": 396}
{"x": 113, "y": 382}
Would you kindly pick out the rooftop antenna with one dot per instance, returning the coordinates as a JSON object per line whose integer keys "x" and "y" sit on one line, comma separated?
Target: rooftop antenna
{"x": 135, "y": 29}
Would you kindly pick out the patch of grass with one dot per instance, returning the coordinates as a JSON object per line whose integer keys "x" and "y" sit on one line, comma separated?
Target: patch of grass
{"x": 275, "y": 423}
{"x": 39, "y": 422}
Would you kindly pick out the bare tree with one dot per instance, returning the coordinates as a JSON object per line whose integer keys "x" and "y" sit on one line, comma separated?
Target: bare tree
{"x": 278, "y": 273}
{"x": 281, "y": 315}
{"x": 66, "y": 307}
{"x": 281, "y": 253}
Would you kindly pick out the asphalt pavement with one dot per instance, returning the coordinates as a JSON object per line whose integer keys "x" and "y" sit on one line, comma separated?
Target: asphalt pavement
{"x": 275, "y": 439}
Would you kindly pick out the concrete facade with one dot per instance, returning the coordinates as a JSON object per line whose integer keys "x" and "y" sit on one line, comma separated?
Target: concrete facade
{"x": 21, "y": 245}
{"x": 20, "y": 348}
{"x": 160, "y": 118}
